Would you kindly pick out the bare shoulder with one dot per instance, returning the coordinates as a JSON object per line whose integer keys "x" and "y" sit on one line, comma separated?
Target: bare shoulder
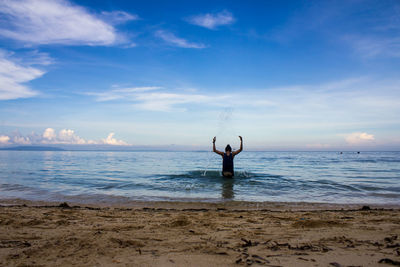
{"x": 219, "y": 152}
{"x": 234, "y": 153}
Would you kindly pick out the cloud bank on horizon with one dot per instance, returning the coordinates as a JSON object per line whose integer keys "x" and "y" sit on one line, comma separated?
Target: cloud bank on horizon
{"x": 68, "y": 137}
{"x": 64, "y": 137}
{"x": 311, "y": 75}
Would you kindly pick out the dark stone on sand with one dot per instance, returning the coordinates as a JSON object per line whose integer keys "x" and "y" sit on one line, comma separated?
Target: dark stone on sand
{"x": 260, "y": 258}
{"x": 64, "y": 205}
{"x": 91, "y": 208}
{"x": 390, "y": 239}
{"x": 195, "y": 210}
{"x": 397, "y": 245}
{"x": 127, "y": 243}
{"x": 347, "y": 218}
{"x": 389, "y": 261}
{"x": 247, "y": 243}
{"x": 14, "y": 244}
{"x": 14, "y": 256}
{"x": 249, "y": 261}
{"x": 365, "y": 208}
{"x": 335, "y": 264}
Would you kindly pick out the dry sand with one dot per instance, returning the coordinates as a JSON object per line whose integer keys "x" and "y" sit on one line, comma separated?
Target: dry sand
{"x": 198, "y": 234}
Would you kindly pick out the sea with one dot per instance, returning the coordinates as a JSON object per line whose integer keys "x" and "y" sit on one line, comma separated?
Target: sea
{"x": 118, "y": 177}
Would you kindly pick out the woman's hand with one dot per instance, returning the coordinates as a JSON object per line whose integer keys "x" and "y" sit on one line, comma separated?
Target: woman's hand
{"x": 214, "y": 139}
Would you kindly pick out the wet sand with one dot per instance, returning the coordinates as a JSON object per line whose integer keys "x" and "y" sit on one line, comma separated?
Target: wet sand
{"x": 198, "y": 234}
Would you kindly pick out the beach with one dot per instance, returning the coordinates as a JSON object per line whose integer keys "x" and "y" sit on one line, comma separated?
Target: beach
{"x": 229, "y": 233}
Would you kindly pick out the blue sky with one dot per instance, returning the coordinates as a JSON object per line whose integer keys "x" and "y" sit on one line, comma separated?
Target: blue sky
{"x": 286, "y": 75}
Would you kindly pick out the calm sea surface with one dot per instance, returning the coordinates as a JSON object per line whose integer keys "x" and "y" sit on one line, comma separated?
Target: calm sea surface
{"x": 369, "y": 177}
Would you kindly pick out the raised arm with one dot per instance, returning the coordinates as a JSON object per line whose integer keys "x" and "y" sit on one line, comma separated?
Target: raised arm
{"x": 214, "y": 149}
{"x": 234, "y": 153}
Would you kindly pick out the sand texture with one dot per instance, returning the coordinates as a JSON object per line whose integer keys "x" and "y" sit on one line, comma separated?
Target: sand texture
{"x": 205, "y": 235}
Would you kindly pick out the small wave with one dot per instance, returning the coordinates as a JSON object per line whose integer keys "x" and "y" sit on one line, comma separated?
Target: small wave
{"x": 365, "y": 160}
{"x": 386, "y": 195}
{"x": 268, "y": 159}
{"x": 109, "y": 186}
{"x": 389, "y": 159}
{"x": 209, "y": 174}
{"x": 23, "y": 192}
{"x": 14, "y": 187}
{"x": 369, "y": 188}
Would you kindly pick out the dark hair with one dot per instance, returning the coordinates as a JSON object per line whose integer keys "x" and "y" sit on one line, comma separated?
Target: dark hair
{"x": 228, "y": 148}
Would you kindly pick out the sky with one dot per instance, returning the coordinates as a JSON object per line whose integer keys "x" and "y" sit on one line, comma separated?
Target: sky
{"x": 285, "y": 75}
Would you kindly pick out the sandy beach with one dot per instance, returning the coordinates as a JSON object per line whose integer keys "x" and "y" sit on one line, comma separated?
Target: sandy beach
{"x": 198, "y": 234}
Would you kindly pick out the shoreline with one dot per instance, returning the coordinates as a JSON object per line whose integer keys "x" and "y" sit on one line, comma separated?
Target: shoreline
{"x": 231, "y": 205}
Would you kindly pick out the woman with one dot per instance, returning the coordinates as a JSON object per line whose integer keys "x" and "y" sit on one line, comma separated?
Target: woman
{"x": 227, "y": 157}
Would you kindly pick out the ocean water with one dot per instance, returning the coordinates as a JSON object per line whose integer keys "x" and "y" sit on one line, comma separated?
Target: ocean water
{"x": 368, "y": 177}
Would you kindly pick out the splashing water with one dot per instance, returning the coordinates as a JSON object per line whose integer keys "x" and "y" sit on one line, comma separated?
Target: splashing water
{"x": 228, "y": 132}
{"x": 224, "y": 124}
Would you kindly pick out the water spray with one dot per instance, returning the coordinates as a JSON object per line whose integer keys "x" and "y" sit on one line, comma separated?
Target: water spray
{"x": 223, "y": 124}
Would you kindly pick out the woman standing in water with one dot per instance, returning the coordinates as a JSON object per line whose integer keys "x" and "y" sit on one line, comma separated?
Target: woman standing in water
{"x": 227, "y": 157}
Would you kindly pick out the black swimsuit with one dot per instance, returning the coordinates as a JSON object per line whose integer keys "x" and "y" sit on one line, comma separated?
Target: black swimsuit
{"x": 227, "y": 163}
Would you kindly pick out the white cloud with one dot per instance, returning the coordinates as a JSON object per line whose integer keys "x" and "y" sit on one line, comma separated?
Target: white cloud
{"x": 49, "y": 134}
{"x": 369, "y": 46}
{"x": 118, "y": 17}
{"x": 149, "y": 98}
{"x": 380, "y": 36}
{"x": 158, "y": 101}
{"x": 325, "y": 103}
{"x": 110, "y": 140}
{"x": 171, "y": 39}
{"x": 58, "y": 22}
{"x": 67, "y": 136}
{"x": 136, "y": 89}
{"x": 359, "y": 138}
{"x": 13, "y": 75}
{"x": 121, "y": 93}
{"x": 35, "y": 57}
{"x": 4, "y": 139}
{"x": 212, "y": 21}
{"x": 50, "y": 137}
{"x": 22, "y": 140}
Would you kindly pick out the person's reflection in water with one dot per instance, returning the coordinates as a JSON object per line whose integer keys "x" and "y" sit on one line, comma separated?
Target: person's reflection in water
{"x": 227, "y": 188}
